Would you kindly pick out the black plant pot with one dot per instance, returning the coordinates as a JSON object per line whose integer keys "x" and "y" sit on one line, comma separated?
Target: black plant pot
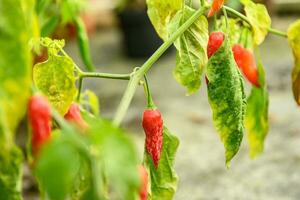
{"x": 139, "y": 37}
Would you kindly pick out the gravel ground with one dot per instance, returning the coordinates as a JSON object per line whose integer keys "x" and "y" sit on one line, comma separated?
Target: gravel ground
{"x": 275, "y": 175}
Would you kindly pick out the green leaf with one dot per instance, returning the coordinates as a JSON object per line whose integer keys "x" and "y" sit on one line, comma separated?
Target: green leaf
{"x": 191, "y": 50}
{"x": 233, "y": 30}
{"x": 163, "y": 180}
{"x": 294, "y": 41}
{"x": 71, "y": 9}
{"x": 256, "y": 122}
{"x": 161, "y": 13}
{"x": 259, "y": 19}
{"x": 227, "y": 98}
{"x": 55, "y": 78}
{"x": 11, "y": 174}
{"x": 49, "y": 26}
{"x": 90, "y": 99}
{"x": 16, "y": 28}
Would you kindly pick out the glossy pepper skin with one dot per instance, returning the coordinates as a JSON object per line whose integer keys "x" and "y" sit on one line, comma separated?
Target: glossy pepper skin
{"x": 144, "y": 183}
{"x": 153, "y": 127}
{"x": 215, "y": 7}
{"x": 40, "y": 120}
{"x": 214, "y": 42}
{"x": 73, "y": 115}
{"x": 246, "y": 62}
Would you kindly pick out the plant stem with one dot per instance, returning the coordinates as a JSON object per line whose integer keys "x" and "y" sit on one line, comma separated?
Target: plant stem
{"x": 150, "y": 103}
{"x": 79, "y": 88}
{"x": 105, "y": 75}
{"x": 132, "y": 85}
{"x": 244, "y": 18}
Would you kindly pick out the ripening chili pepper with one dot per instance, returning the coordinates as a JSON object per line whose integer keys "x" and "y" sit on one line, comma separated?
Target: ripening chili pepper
{"x": 144, "y": 183}
{"x": 74, "y": 115}
{"x": 153, "y": 127}
{"x": 40, "y": 121}
{"x": 215, "y": 7}
{"x": 83, "y": 42}
{"x": 246, "y": 62}
{"x": 214, "y": 42}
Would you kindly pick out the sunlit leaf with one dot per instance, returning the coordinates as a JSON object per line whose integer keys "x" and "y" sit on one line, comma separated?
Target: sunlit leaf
{"x": 163, "y": 179}
{"x": 233, "y": 30}
{"x": 294, "y": 41}
{"x": 16, "y": 28}
{"x": 89, "y": 99}
{"x": 161, "y": 12}
{"x": 191, "y": 50}
{"x": 55, "y": 78}
{"x": 257, "y": 123}
{"x": 259, "y": 18}
{"x": 227, "y": 98}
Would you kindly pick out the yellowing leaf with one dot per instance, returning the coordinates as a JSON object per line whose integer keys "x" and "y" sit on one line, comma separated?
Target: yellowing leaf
{"x": 257, "y": 123}
{"x": 55, "y": 78}
{"x": 294, "y": 41}
{"x": 191, "y": 50}
{"x": 259, "y": 19}
{"x": 227, "y": 98}
{"x": 163, "y": 180}
{"x": 161, "y": 12}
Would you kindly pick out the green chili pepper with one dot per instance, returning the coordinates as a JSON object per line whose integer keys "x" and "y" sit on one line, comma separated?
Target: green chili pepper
{"x": 83, "y": 44}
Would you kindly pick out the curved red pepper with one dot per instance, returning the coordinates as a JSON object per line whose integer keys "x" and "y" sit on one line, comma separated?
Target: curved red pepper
{"x": 40, "y": 120}
{"x": 215, "y": 7}
{"x": 74, "y": 115}
{"x": 153, "y": 127}
{"x": 214, "y": 42}
{"x": 246, "y": 62}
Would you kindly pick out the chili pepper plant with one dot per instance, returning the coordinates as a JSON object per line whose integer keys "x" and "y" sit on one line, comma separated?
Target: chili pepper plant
{"x": 73, "y": 152}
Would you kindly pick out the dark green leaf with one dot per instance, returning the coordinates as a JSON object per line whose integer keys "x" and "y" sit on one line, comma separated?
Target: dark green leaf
{"x": 227, "y": 98}
{"x": 161, "y": 12}
{"x": 191, "y": 50}
{"x": 163, "y": 180}
{"x": 257, "y": 123}
{"x": 294, "y": 41}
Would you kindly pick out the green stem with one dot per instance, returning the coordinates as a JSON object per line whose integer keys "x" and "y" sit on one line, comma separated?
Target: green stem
{"x": 136, "y": 77}
{"x": 150, "y": 103}
{"x": 244, "y": 18}
{"x": 105, "y": 75}
{"x": 79, "y": 88}
{"x": 226, "y": 18}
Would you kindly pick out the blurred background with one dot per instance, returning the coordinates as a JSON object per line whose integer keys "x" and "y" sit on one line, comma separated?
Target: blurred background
{"x": 121, "y": 38}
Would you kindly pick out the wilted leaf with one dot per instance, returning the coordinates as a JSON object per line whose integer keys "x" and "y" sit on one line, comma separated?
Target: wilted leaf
{"x": 294, "y": 41}
{"x": 227, "y": 98}
{"x": 55, "y": 78}
{"x": 257, "y": 123}
{"x": 161, "y": 12}
{"x": 191, "y": 50}
{"x": 259, "y": 18}
{"x": 163, "y": 179}
{"x": 233, "y": 30}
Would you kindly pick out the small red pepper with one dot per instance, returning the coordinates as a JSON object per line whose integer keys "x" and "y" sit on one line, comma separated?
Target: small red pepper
{"x": 214, "y": 42}
{"x": 144, "y": 183}
{"x": 215, "y": 7}
{"x": 40, "y": 120}
{"x": 73, "y": 115}
{"x": 246, "y": 62}
{"x": 153, "y": 127}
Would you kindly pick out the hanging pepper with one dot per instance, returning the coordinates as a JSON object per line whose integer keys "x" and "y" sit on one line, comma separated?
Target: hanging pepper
{"x": 74, "y": 115}
{"x": 40, "y": 120}
{"x": 83, "y": 42}
{"x": 144, "y": 183}
{"x": 215, "y": 7}
{"x": 153, "y": 127}
{"x": 214, "y": 42}
{"x": 246, "y": 62}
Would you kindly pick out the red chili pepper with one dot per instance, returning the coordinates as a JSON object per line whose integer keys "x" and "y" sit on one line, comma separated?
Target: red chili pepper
{"x": 246, "y": 62}
{"x": 144, "y": 183}
{"x": 214, "y": 42}
{"x": 40, "y": 120}
{"x": 215, "y": 7}
{"x": 74, "y": 115}
{"x": 153, "y": 127}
